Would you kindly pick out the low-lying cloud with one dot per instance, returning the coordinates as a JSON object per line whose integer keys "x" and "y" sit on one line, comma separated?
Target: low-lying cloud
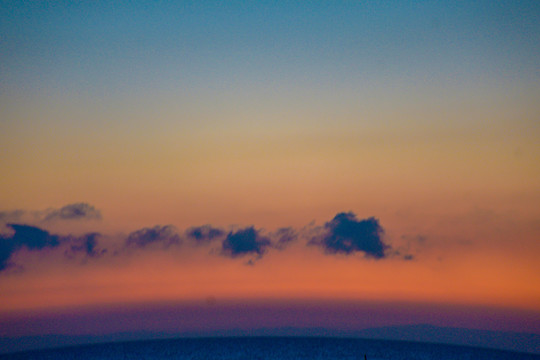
{"x": 72, "y": 212}
{"x": 161, "y": 235}
{"x": 86, "y": 245}
{"x": 345, "y": 234}
{"x": 77, "y": 211}
{"x": 245, "y": 241}
{"x": 284, "y": 237}
{"x": 205, "y": 234}
{"x": 30, "y": 237}
{"x": 35, "y": 239}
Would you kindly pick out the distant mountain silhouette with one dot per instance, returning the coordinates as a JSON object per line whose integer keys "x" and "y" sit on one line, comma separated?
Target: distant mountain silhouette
{"x": 461, "y": 336}
{"x": 504, "y": 340}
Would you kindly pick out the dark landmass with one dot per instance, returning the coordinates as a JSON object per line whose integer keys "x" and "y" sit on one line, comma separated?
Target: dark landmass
{"x": 513, "y": 341}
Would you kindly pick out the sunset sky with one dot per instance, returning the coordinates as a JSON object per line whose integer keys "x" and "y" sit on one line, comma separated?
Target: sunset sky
{"x": 381, "y": 155}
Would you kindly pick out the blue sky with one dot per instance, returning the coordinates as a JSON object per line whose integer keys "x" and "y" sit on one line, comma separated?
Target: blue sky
{"x": 93, "y": 48}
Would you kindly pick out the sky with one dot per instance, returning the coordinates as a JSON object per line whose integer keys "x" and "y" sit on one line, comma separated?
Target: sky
{"x": 382, "y": 155}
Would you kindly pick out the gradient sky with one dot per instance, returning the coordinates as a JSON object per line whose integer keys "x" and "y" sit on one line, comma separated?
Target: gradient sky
{"x": 117, "y": 117}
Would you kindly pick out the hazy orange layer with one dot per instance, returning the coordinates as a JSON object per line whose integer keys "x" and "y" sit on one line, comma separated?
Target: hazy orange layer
{"x": 271, "y": 164}
{"x": 463, "y": 173}
{"x": 298, "y": 273}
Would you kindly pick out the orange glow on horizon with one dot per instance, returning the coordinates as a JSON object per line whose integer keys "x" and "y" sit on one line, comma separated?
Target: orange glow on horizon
{"x": 295, "y": 274}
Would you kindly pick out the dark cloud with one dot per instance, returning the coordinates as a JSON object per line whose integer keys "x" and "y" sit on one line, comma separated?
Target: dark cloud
{"x": 283, "y": 237}
{"x": 77, "y": 211}
{"x": 30, "y": 237}
{"x": 36, "y": 239}
{"x": 345, "y": 234}
{"x": 204, "y": 234}
{"x": 163, "y": 235}
{"x": 87, "y": 245}
{"x": 244, "y": 242}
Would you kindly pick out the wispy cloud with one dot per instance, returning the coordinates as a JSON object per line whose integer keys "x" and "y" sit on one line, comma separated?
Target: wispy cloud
{"x": 11, "y": 216}
{"x": 161, "y": 235}
{"x": 283, "y": 237}
{"x": 71, "y": 212}
{"x": 86, "y": 245}
{"x": 77, "y": 211}
{"x": 204, "y": 234}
